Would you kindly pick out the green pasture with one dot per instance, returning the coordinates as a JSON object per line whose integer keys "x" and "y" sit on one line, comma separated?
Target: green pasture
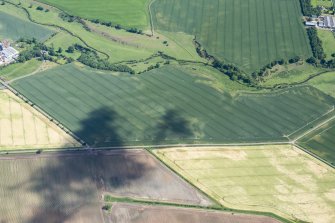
{"x": 12, "y": 27}
{"x": 129, "y": 13}
{"x": 321, "y": 142}
{"x": 275, "y": 178}
{"x": 328, "y": 42}
{"x": 167, "y": 105}
{"x": 19, "y": 69}
{"x": 325, "y": 3}
{"x": 119, "y": 45}
{"x": 63, "y": 40}
{"x": 325, "y": 83}
{"x": 290, "y": 73}
{"x": 248, "y": 33}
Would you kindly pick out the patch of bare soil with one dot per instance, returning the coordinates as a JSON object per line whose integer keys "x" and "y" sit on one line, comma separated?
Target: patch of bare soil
{"x": 129, "y": 213}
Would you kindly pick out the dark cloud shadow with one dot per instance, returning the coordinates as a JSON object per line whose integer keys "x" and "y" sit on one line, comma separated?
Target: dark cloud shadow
{"x": 172, "y": 124}
{"x": 100, "y": 128}
{"x": 65, "y": 182}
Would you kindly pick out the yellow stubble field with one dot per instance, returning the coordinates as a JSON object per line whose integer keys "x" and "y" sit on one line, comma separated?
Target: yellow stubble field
{"x": 22, "y": 127}
{"x": 280, "y": 179}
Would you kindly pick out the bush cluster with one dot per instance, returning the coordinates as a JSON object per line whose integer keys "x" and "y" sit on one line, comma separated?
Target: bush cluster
{"x": 35, "y": 50}
{"x": 231, "y": 71}
{"x": 116, "y": 26}
{"x": 91, "y": 59}
{"x": 308, "y": 10}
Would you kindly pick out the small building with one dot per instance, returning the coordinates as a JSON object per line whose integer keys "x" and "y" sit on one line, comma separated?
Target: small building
{"x": 312, "y": 23}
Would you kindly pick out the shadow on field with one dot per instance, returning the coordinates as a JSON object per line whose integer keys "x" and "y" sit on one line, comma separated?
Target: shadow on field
{"x": 60, "y": 185}
{"x": 172, "y": 124}
{"x": 100, "y": 127}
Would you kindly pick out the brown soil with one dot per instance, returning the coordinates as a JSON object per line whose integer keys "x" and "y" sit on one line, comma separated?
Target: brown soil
{"x": 126, "y": 213}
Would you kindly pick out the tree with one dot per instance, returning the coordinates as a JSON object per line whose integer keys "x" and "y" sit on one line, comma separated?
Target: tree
{"x": 294, "y": 59}
{"x": 40, "y": 8}
{"x": 311, "y": 60}
{"x": 60, "y": 50}
{"x": 70, "y": 49}
{"x": 51, "y": 51}
{"x": 281, "y": 61}
{"x": 107, "y": 207}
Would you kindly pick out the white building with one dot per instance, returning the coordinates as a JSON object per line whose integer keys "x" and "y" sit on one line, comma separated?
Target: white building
{"x": 7, "y": 54}
{"x": 312, "y": 23}
{"x": 329, "y": 21}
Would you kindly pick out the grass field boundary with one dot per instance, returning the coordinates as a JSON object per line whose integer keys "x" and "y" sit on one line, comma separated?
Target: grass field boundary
{"x": 150, "y": 17}
{"x": 317, "y": 121}
{"x": 314, "y": 129}
{"x": 313, "y": 155}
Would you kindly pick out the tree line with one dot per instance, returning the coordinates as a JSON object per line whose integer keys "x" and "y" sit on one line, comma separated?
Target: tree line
{"x": 318, "y": 58}
{"x": 70, "y": 18}
{"x": 316, "y": 43}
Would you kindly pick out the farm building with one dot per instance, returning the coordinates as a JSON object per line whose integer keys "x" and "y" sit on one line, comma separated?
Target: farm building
{"x": 329, "y": 22}
{"x": 310, "y": 23}
{"x": 7, "y": 53}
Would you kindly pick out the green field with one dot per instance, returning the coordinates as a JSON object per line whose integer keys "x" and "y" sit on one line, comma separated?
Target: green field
{"x": 19, "y": 69}
{"x": 325, "y": 3}
{"x": 321, "y": 142}
{"x": 277, "y": 178}
{"x": 248, "y": 33}
{"x": 289, "y": 74}
{"x": 12, "y": 27}
{"x": 167, "y": 105}
{"x": 129, "y": 13}
{"x": 325, "y": 83}
{"x": 328, "y": 42}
